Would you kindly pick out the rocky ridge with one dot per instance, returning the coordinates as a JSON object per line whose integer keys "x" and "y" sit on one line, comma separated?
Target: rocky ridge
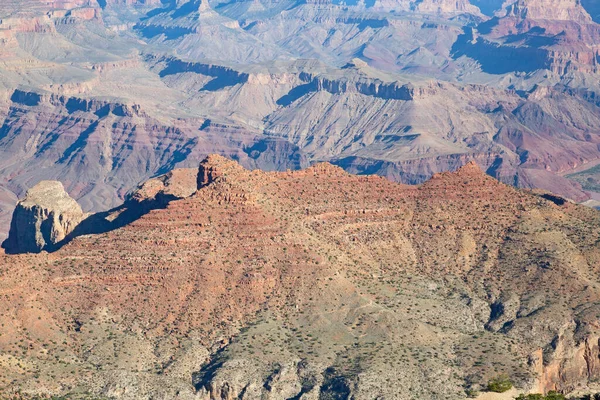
{"x": 311, "y": 283}
{"x": 102, "y": 95}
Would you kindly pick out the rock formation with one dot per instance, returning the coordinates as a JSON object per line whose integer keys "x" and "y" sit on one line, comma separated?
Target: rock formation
{"x": 565, "y": 10}
{"x": 557, "y": 35}
{"x": 43, "y": 219}
{"x": 308, "y": 284}
{"x": 214, "y": 168}
{"x": 47, "y": 217}
{"x": 176, "y": 184}
{"x": 446, "y": 6}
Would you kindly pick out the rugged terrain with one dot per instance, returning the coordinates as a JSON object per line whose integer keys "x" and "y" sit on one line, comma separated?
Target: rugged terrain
{"x": 231, "y": 283}
{"x": 102, "y": 95}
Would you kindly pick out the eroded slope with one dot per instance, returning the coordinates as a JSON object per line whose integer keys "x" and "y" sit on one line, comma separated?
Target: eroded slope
{"x": 313, "y": 283}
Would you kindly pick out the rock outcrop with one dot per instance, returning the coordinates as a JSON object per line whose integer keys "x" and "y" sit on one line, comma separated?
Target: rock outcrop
{"x": 214, "y": 168}
{"x": 561, "y": 10}
{"x": 446, "y": 6}
{"x": 43, "y": 219}
{"x": 176, "y": 184}
{"x": 48, "y": 217}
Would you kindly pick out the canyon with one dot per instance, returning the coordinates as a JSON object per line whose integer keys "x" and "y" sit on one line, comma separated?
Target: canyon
{"x": 321, "y": 199}
{"x": 102, "y": 95}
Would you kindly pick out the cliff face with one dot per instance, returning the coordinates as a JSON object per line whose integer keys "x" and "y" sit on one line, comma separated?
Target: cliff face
{"x": 565, "y": 10}
{"x": 569, "y": 363}
{"x": 43, "y": 219}
{"x": 75, "y": 104}
{"x": 446, "y": 6}
{"x": 116, "y": 145}
{"x": 559, "y": 36}
{"x": 367, "y": 87}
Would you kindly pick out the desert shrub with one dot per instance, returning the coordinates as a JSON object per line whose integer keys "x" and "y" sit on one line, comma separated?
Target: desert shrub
{"x": 535, "y": 396}
{"x": 552, "y": 395}
{"x": 500, "y": 384}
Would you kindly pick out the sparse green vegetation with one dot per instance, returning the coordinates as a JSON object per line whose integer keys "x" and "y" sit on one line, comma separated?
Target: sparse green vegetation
{"x": 589, "y": 179}
{"x": 82, "y": 396}
{"x": 500, "y": 384}
{"x": 535, "y": 396}
{"x": 552, "y": 395}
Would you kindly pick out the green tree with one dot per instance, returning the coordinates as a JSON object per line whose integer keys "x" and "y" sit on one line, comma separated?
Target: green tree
{"x": 535, "y": 396}
{"x": 500, "y": 384}
{"x": 552, "y": 395}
